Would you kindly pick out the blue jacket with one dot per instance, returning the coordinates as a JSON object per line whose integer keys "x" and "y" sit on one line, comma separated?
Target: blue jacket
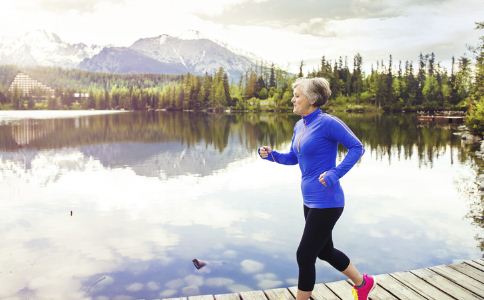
{"x": 314, "y": 147}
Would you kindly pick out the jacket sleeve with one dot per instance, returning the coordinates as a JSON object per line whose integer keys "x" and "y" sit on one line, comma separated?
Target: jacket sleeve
{"x": 289, "y": 158}
{"x": 341, "y": 133}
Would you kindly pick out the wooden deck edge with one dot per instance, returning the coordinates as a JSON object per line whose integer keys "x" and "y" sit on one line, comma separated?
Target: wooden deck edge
{"x": 470, "y": 272}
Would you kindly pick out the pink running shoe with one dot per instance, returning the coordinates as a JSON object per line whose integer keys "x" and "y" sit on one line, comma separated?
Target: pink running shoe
{"x": 362, "y": 293}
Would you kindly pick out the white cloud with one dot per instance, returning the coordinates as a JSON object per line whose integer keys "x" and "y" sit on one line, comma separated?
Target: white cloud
{"x": 230, "y": 254}
{"x": 174, "y": 284}
{"x": 194, "y": 280}
{"x": 267, "y": 281}
{"x": 135, "y": 287}
{"x": 235, "y": 288}
{"x": 409, "y": 28}
{"x": 292, "y": 281}
{"x": 251, "y": 266}
{"x": 168, "y": 293}
{"x": 153, "y": 286}
{"x": 218, "y": 281}
{"x": 191, "y": 290}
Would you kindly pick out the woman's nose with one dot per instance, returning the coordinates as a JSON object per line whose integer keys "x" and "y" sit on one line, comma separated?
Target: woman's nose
{"x": 293, "y": 99}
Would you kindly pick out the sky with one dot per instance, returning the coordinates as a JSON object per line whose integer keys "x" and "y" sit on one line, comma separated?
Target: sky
{"x": 280, "y": 31}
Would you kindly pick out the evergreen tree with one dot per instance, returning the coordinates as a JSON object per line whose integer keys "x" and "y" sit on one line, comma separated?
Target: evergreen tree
{"x": 301, "y": 69}
{"x": 272, "y": 79}
{"x": 356, "y": 79}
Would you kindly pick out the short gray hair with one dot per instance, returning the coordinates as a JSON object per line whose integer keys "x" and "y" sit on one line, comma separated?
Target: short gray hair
{"x": 317, "y": 89}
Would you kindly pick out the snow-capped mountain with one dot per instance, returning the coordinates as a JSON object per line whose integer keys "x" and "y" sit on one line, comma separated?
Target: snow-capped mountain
{"x": 190, "y": 52}
{"x": 186, "y": 54}
{"x": 41, "y": 48}
{"x": 126, "y": 60}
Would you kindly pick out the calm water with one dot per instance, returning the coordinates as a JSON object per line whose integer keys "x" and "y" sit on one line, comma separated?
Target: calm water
{"x": 151, "y": 191}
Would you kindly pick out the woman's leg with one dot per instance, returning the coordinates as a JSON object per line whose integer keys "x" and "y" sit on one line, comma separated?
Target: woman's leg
{"x": 340, "y": 262}
{"x": 352, "y": 273}
{"x": 317, "y": 233}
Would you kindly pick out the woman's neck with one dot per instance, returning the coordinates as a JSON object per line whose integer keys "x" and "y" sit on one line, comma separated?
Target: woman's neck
{"x": 310, "y": 111}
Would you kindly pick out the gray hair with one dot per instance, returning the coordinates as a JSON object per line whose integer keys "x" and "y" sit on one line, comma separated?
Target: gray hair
{"x": 317, "y": 89}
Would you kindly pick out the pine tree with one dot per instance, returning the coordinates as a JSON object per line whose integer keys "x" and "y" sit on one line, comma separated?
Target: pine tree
{"x": 272, "y": 79}
{"x": 301, "y": 69}
{"x": 356, "y": 79}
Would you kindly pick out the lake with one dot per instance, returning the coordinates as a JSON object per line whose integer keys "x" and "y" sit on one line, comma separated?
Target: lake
{"x": 116, "y": 206}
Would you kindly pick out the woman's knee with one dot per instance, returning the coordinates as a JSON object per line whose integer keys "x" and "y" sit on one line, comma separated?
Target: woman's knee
{"x": 305, "y": 257}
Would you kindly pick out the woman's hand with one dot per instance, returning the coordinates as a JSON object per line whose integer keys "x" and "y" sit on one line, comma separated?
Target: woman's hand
{"x": 321, "y": 179}
{"x": 264, "y": 151}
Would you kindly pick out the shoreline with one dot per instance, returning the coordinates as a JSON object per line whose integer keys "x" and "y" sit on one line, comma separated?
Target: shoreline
{"x": 15, "y": 115}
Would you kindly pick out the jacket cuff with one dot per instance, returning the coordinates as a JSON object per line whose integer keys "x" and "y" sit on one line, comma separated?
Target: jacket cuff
{"x": 331, "y": 177}
{"x": 269, "y": 156}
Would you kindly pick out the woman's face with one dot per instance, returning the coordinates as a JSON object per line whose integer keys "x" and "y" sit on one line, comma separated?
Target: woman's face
{"x": 301, "y": 104}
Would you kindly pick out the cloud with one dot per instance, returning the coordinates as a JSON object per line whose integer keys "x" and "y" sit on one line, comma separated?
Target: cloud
{"x": 292, "y": 281}
{"x": 82, "y": 6}
{"x": 267, "y": 281}
{"x": 235, "y": 288}
{"x": 174, "y": 284}
{"x": 135, "y": 287}
{"x": 191, "y": 290}
{"x": 153, "y": 286}
{"x": 251, "y": 266}
{"x": 194, "y": 280}
{"x": 230, "y": 253}
{"x": 218, "y": 281}
{"x": 168, "y": 293}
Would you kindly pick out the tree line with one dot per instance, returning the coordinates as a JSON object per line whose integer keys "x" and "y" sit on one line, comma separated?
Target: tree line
{"x": 390, "y": 86}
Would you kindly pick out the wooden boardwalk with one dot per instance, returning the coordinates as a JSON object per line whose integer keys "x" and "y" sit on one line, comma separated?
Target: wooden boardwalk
{"x": 460, "y": 281}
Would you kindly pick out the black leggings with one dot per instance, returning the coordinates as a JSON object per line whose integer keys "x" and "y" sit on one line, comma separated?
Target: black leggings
{"x": 316, "y": 242}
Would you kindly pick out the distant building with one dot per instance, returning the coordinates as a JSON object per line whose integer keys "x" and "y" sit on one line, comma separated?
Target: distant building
{"x": 81, "y": 95}
{"x": 30, "y": 87}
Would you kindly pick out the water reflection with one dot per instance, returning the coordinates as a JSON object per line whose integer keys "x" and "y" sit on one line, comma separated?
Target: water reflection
{"x": 151, "y": 191}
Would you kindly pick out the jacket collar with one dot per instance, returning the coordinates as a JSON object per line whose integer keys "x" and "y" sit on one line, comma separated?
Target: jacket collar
{"x": 311, "y": 117}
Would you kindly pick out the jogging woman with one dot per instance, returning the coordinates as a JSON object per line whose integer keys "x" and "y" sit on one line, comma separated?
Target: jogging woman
{"x": 314, "y": 147}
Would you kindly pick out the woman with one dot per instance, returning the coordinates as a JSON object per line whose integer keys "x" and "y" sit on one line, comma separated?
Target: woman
{"x": 314, "y": 147}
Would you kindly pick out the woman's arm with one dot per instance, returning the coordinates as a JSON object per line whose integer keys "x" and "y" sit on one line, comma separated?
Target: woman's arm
{"x": 340, "y": 132}
{"x": 289, "y": 158}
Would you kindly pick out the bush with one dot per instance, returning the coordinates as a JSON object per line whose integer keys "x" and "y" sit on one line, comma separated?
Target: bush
{"x": 475, "y": 117}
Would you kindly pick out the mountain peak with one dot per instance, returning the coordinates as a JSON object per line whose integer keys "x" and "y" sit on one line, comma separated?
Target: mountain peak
{"x": 40, "y": 47}
{"x": 42, "y": 34}
{"x": 191, "y": 35}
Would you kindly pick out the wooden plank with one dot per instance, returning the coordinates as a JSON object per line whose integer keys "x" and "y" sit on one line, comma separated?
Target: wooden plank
{"x": 469, "y": 271}
{"x": 227, "y": 297}
{"x": 475, "y": 265}
{"x": 279, "y": 294}
{"x": 320, "y": 292}
{"x": 479, "y": 261}
{"x": 379, "y": 293}
{"x": 396, "y": 288}
{"x": 341, "y": 288}
{"x": 293, "y": 290}
{"x": 444, "y": 284}
{"x": 203, "y": 297}
{"x": 253, "y": 295}
{"x": 422, "y": 287}
{"x": 458, "y": 278}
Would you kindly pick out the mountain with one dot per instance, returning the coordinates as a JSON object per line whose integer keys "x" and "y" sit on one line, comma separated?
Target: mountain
{"x": 41, "y": 48}
{"x": 196, "y": 56}
{"x": 164, "y": 54}
{"x": 125, "y": 60}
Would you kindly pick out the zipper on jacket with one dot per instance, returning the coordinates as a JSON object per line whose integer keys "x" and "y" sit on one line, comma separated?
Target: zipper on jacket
{"x": 298, "y": 146}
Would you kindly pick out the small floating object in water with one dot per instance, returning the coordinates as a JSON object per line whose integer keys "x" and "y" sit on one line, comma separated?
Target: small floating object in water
{"x": 198, "y": 263}
{"x": 71, "y": 212}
